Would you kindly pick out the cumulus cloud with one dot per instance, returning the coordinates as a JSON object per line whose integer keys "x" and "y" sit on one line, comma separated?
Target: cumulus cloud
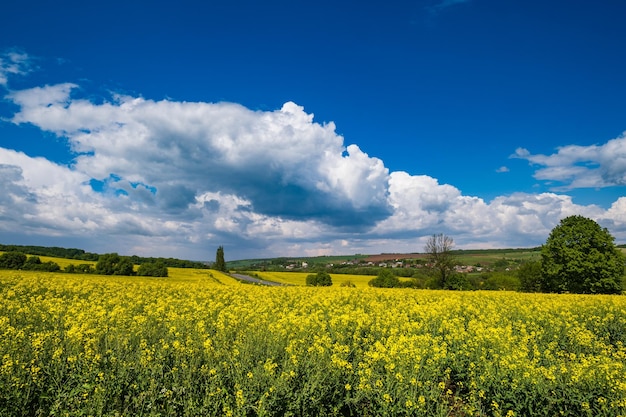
{"x": 285, "y": 164}
{"x": 13, "y": 63}
{"x": 573, "y": 166}
{"x": 422, "y": 206}
{"x": 177, "y": 179}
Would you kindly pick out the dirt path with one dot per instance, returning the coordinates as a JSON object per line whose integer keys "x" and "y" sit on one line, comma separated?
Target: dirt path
{"x": 255, "y": 280}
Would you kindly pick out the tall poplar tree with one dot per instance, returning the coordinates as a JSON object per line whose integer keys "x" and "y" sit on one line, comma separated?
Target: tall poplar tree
{"x": 220, "y": 263}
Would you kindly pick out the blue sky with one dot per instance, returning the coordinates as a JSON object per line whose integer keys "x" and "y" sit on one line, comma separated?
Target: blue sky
{"x": 289, "y": 128}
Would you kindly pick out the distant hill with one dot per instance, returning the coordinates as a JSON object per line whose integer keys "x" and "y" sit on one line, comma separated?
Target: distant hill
{"x": 468, "y": 256}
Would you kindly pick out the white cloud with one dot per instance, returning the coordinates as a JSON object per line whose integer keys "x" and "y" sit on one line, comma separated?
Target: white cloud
{"x": 574, "y": 166}
{"x": 422, "y": 206}
{"x": 502, "y": 169}
{"x": 178, "y": 179}
{"x": 283, "y": 162}
{"x": 13, "y": 63}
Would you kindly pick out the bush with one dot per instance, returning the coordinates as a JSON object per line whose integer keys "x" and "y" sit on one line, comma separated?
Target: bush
{"x": 412, "y": 283}
{"x": 529, "y": 275}
{"x": 152, "y": 269}
{"x": 458, "y": 282}
{"x": 113, "y": 264}
{"x": 12, "y": 260}
{"x": 501, "y": 281}
{"x": 33, "y": 263}
{"x": 321, "y": 279}
{"x": 385, "y": 279}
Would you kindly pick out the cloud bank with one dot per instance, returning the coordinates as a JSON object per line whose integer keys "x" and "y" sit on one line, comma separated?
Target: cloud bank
{"x": 171, "y": 178}
{"x": 595, "y": 166}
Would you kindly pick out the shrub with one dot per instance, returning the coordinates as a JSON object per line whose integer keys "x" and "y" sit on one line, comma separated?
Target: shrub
{"x": 113, "y": 264}
{"x": 152, "y": 269}
{"x": 529, "y": 275}
{"x": 321, "y": 279}
{"x": 385, "y": 279}
{"x": 12, "y": 260}
{"x": 458, "y": 282}
{"x": 501, "y": 281}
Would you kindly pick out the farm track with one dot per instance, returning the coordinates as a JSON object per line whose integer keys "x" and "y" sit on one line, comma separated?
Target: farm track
{"x": 254, "y": 280}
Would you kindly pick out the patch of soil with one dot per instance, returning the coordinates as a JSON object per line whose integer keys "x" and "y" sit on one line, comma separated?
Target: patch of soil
{"x": 393, "y": 256}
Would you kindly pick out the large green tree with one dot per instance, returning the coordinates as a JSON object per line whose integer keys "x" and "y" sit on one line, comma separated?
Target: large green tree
{"x": 580, "y": 257}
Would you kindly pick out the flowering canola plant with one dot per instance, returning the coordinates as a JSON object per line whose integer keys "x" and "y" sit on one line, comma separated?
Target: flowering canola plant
{"x": 200, "y": 345}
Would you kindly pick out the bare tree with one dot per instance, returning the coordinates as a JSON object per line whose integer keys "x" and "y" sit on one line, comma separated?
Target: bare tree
{"x": 438, "y": 248}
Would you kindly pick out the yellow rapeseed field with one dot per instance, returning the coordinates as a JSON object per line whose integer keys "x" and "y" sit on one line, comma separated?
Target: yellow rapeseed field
{"x": 299, "y": 278}
{"x": 201, "y": 344}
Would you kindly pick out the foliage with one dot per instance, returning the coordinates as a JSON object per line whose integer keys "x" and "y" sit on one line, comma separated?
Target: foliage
{"x": 529, "y": 275}
{"x": 80, "y": 269}
{"x": 580, "y": 257}
{"x": 18, "y": 260}
{"x": 168, "y": 262}
{"x": 113, "y": 264}
{"x": 152, "y": 269}
{"x": 412, "y": 283}
{"x": 385, "y": 279}
{"x": 439, "y": 251}
{"x": 33, "y": 263}
{"x": 499, "y": 281}
{"x": 220, "y": 263}
{"x": 501, "y": 263}
{"x": 12, "y": 260}
{"x": 80, "y": 254}
{"x": 321, "y": 279}
{"x": 458, "y": 281}
{"x": 84, "y": 345}
{"x": 55, "y": 252}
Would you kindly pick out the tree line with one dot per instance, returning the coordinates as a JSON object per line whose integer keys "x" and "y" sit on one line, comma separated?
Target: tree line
{"x": 53, "y": 252}
{"x": 80, "y": 254}
{"x": 107, "y": 264}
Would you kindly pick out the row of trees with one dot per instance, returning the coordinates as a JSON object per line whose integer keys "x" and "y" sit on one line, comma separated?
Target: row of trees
{"x": 113, "y": 264}
{"x": 52, "y": 251}
{"x": 108, "y": 264}
{"x": 79, "y": 254}
{"x": 18, "y": 260}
